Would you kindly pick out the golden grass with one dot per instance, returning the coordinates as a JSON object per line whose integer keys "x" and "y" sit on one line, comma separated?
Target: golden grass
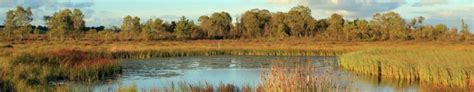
{"x": 357, "y": 61}
{"x": 452, "y": 66}
{"x": 302, "y": 78}
{"x": 37, "y": 70}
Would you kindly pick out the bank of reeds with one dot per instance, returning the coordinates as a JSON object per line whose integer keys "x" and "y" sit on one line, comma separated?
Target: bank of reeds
{"x": 39, "y": 70}
{"x": 302, "y": 78}
{"x": 144, "y": 54}
{"x": 442, "y": 66}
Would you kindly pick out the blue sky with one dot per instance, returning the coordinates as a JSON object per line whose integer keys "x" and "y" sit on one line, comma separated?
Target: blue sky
{"x": 110, "y": 12}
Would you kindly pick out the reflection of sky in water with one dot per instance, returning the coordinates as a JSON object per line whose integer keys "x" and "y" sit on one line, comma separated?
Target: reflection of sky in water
{"x": 214, "y": 70}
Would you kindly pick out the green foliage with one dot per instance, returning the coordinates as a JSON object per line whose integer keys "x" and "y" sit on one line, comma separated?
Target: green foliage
{"x": 218, "y": 25}
{"x": 300, "y": 21}
{"x": 278, "y": 26}
{"x": 66, "y": 24}
{"x": 336, "y": 25}
{"x": 255, "y": 23}
{"x": 184, "y": 28}
{"x": 389, "y": 26}
{"x": 17, "y": 23}
{"x": 78, "y": 23}
{"x": 131, "y": 28}
{"x": 465, "y": 34}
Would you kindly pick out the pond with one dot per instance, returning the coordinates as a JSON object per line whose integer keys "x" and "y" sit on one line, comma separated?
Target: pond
{"x": 237, "y": 70}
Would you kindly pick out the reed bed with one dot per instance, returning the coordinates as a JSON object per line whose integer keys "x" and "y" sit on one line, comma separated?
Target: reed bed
{"x": 452, "y": 67}
{"x": 39, "y": 70}
{"x": 302, "y": 78}
{"x": 37, "y": 62}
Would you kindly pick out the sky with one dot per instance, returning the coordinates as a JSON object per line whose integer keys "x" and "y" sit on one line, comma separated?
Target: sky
{"x": 110, "y": 12}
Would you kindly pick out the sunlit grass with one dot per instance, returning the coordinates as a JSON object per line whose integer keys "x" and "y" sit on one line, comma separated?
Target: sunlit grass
{"x": 38, "y": 70}
{"x": 40, "y": 58}
{"x": 302, "y": 78}
{"x": 452, "y": 66}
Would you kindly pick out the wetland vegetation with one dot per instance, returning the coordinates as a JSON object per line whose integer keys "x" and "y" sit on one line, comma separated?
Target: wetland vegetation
{"x": 387, "y": 47}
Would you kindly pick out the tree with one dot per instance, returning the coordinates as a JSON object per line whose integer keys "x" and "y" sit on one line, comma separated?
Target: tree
{"x": 336, "y": 25}
{"x": 254, "y": 22}
{"x": 60, "y": 25}
{"x": 322, "y": 25}
{"x": 389, "y": 26}
{"x": 78, "y": 23}
{"x": 148, "y": 32}
{"x": 130, "y": 28}
{"x": 9, "y": 25}
{"x": 465, "y": 34}
{"x": 301, "y": 23}
{"x": 362, "y": 29}
{"x": 441, "y": 32}
{"x": 184, "y": 28}
{"x": 66, "y": 24}
{"x": 278, "y": 26}
{"x": 17, "y": 23}
{"x": 236, "y": 30}
{"x": 453, "y": 34}
{"x": 217, "y": 25}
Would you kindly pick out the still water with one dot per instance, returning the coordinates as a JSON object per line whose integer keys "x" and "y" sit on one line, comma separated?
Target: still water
{"x": 237, "y": 70}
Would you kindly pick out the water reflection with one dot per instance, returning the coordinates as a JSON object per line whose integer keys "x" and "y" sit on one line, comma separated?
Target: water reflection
{"x": 237, "y": 70}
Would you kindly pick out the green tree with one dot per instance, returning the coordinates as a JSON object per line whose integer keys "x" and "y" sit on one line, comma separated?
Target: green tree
{"x": 441, "y": 32}
{"x": 184, "y": 28}
{"x": 236, "y": 30}
{"x": 278, "y": 26}
{"x": 148, "y": 31}
{"x": 362, "y": 30}
{"x": 78, "y": 24}
{"x": 9, "y": 25}
{"x": 465, "y": 34}
{"x": 217, "y": 25}
{"x": 389, "y": 26}
{"x": 335, "y": 28}
{"x": 66, "y": 24}
{"x": 17, "y": 23}
{"x": 254, "y": 22}
{"x": 301, "y": 23}
{"x": 60, "y": 25}
{"x": 130, "y": 28}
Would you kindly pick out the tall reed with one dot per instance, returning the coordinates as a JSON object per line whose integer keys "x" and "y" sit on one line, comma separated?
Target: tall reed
{"x": 38, "y": 70}
{"x": 453, "y": 67}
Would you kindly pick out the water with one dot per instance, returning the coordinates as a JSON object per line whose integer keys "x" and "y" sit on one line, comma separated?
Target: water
{"x": 237, "y": 70}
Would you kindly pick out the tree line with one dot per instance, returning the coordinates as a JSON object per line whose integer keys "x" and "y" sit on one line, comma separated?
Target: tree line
{"x": 69, "y": 24}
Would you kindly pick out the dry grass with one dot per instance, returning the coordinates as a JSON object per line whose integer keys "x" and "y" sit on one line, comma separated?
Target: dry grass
{"x": 302, "y": 78}
{"x": 35, "y": 71}
{"x": 357, "y": 61}
{"x": 452, "y": 66}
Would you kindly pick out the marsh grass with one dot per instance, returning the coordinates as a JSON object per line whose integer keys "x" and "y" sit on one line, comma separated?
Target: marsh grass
{"x": 35, "y": 71}
{"x": 37, "y": 62}
{"x": 303, "y": 78}
{"x": 452, "y": 67}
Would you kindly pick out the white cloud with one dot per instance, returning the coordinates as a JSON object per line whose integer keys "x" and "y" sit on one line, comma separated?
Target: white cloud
{"x": 280, "y": 2}
{"x": 353, "y": 8}
{"x": 43, "y": 8}
{"x": 430, "y": 2}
